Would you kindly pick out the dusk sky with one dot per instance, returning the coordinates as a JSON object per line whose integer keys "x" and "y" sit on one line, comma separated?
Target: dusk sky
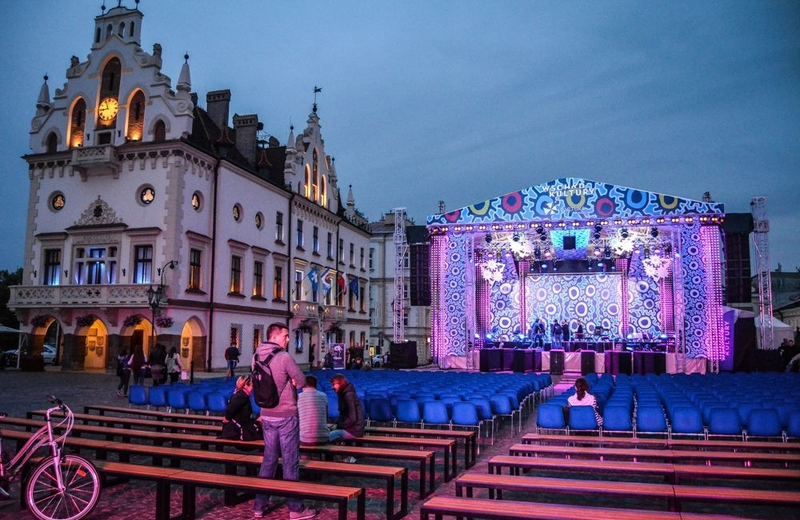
{"x": 463, "y": 101}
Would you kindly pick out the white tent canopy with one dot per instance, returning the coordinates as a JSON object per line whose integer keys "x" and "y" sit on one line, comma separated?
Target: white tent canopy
{"x": 780, "y": 331}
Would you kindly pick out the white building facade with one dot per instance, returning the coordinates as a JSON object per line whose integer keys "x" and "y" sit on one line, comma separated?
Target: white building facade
{"x": 152, "y": 220}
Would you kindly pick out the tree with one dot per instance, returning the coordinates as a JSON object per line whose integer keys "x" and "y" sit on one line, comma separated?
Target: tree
{"x": 7, "y": 279}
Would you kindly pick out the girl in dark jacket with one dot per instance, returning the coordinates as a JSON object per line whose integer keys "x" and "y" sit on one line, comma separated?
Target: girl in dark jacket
{"x": 238, "y": 422}
{"x": 350, "y": 424}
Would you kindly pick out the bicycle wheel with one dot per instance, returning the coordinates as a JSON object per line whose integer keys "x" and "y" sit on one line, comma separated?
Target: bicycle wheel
{"x": 81, "y": 489}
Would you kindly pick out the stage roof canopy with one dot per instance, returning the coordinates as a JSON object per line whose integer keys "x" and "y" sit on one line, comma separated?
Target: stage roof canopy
{"x": 576, "y": 199}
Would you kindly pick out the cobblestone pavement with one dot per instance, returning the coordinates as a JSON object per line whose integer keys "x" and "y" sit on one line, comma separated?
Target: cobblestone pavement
{"x": 24, "y": 391}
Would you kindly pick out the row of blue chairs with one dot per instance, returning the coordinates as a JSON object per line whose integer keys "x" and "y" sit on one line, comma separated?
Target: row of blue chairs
{"x": 686, "y": 405}
{"x": 179, "y": 398}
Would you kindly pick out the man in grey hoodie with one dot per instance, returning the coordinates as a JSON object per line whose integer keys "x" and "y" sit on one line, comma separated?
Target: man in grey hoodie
{"x": 281, "y": 424}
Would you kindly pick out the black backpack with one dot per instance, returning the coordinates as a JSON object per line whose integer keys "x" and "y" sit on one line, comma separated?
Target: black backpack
{"x": 265, "y": 392}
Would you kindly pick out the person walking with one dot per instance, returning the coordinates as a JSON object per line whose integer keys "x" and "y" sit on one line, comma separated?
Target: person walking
{"x": 174, "y": 366}
{"x": 138, "y": 364}
{"x": 232, "y": 357}
{"x": 281, "y": 424}
{"x": 312, "y": 406}
{"x": 124, "y": 373}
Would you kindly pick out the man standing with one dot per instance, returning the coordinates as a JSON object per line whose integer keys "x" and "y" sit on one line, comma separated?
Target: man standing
{"x": 312, "y": 406}
{"x": 281, "y": 424}
{"x": 232, "y": 357}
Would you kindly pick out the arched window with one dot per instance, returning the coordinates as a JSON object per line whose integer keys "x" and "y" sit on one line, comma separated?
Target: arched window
{"x": 111, "y": 74}
{"x": 109, "y": 31}
{"x": 121, "y": 30}
{"x": 77, "y": 123}
{"x": 136, "y": 117}
{"x": 160, "y": 132}
{"x": 308, "y": 182}
{"x": 315, "y": 176}
{"x": 130, "y": 30}
{"x": 323, "y": 195}
{"x": 52, "y": 142}
{"x": 97, "y": 35}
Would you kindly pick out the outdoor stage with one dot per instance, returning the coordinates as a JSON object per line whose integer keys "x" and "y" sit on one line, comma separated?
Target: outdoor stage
{"x": 615, "y": 264}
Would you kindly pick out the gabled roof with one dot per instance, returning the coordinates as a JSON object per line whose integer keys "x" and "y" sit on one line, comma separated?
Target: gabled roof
{"x": 576, "y": 199}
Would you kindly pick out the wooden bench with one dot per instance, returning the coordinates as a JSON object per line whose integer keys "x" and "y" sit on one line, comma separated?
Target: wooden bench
{"x": 674, "y": 495}
{"x": 425, "y": 458}
{"x": 131, "y": 422}
{"x": 666, "y": 455}
{"x": 231, "y": 461}
{"x": 191, "y": 480}
{"x": 159, "y": 415}
{"x": 448, "y": 447}
{"x": 670, "y": 472}
{"x": 662, "y": 443}
{"x": 508, "y": 509}
{"x": 470, "y": 439}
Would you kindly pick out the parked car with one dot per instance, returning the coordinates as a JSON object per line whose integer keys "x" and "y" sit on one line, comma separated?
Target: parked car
{"x": 9, "y": 358}
{"x": 49, "y": 354}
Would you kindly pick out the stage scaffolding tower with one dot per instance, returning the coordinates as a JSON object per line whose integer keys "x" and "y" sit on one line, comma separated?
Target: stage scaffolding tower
{"x": 758, "y": 206}
{"x": 400, "y": 255}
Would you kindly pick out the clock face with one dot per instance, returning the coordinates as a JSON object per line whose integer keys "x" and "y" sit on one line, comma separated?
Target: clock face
{"x": 108, "y": 109}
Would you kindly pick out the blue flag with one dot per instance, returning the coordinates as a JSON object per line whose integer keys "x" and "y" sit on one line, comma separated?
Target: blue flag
{"x": 312, "y": 277}
{"x": 353, "y": 285}
{"x": 326, "y": 280}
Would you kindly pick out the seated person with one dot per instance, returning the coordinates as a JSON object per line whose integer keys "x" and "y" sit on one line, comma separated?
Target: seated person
{"x": 312, "y": 407}
{"x": 350, "y": 424}
{"x": 582, "y": 397}
{"x": 238, "y": 422}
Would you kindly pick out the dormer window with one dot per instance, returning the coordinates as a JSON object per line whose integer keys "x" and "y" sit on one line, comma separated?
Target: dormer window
{"x": 136, "y": 117}
{"x": 77, "y": 124}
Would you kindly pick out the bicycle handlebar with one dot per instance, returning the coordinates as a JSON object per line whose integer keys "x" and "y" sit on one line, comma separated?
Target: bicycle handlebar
{"x": 58, "y": 402}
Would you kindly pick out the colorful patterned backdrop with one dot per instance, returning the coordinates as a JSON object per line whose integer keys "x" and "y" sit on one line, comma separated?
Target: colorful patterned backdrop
{"x": 694, "y": 291}
{"x": 644, "y": 301}
{"x": 574, "y": 198}
{"x": 455, "y": 297}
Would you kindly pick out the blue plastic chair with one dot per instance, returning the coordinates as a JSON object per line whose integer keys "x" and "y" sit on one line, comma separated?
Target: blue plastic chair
{"x": 196, "y": 402}
{"x": 137, "y": 396}
{"x": 158, "y": 397}
{"x": 465, "y": 415}
{"x": 380, "y": 410}
{"x": 793, "y": 425}
{"x": 550, "y": 416}
{"x": 650, "y": 419}
{"x": 216, "y": 402}
{"x": 582, "y": 418}
{"x": 484, "y": 409}
{"x": 176, "y": 400}
{"x": 764, "y": 422}
{"x": 617, "y": 418}
{"x": 434, "y": 413}
{"x": 687, "y": 420}
{"x": 501, "y": 407}
{"x": 724, "y": 421}
{"x": 333, "y": 407}
{"x": 408, "y": 412}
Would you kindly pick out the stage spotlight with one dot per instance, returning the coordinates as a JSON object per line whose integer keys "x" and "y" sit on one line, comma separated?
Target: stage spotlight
{"x": 624, "y": 233}
{"x": 488, "y": 239}
{"x": 597, "y": 235}
{"x": 543, "y": 238}
{"x": 607, "y": 252}
{"x": 654, "y": 232}
{"x": 589, "y": 266}
{"x": 540, "y": 229}
{"x": 555, "y": 266}
{"x": 600, "y": 263}
{"x": 516, "y": 237}
{"x": 598, "y": 228}
{"x": 537, "y": 253}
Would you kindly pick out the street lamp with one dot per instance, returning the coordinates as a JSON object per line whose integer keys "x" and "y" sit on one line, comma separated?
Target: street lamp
{"x": 155, "y": 296}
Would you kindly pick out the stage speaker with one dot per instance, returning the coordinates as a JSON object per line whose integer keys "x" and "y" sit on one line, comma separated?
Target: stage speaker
{"x": 569, "y": 242}
{"x": 403, "y": 355}
{"x": 587, "y": 363}
{"x": 419, "y": 272}
{"x": 556, "y": 362}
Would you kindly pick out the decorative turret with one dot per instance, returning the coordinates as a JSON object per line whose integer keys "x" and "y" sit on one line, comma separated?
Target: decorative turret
{"x": 43, "y": 103}
{"x": 119, "y": 22}
{"x": 350, "y": 211}
{"x": 185, "y": 78}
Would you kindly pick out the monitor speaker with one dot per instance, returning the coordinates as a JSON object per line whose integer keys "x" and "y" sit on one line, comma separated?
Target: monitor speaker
{"x": 403, "y": 355}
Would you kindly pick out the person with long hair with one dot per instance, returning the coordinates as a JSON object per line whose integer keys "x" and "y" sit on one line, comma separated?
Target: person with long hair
{"x": 582, "y": 397}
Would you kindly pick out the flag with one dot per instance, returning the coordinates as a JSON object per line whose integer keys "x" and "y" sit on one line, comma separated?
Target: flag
{"x": 354, "y": 286}
{"x": 342, "y": 281}
{"x": 326, "y": 280}
{"x": 312, "y": 277}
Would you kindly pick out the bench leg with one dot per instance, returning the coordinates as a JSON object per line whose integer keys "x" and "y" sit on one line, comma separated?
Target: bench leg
{"x": 403, "y": 495}
{"x": 162, "y": 499}
{"x": 189, "y": 505}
